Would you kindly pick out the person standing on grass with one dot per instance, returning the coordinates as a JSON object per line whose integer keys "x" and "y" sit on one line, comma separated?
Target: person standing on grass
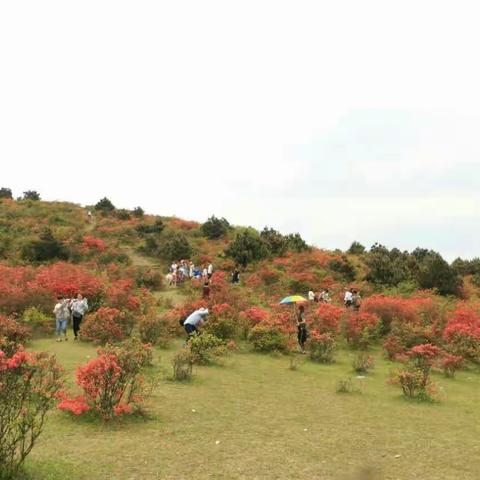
{"x": 302, "y": 333}
{"x": 210, "y": 270}
{"x": 195, "y": 320}
{"x": 62, "y": 314}
{"x": 79, "y": 308}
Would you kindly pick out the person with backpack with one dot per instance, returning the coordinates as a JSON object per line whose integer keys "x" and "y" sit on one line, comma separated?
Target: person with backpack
{"x": 302, "y": 333}
{"x": 62, "y": 314}
{"x": 79, "y": 308}
{"x": 356, "y": 300}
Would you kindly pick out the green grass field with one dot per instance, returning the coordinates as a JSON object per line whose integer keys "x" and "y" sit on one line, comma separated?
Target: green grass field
{"x": 254, "y": 418}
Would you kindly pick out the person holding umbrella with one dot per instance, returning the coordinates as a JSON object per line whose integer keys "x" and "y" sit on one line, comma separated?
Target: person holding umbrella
{"x": 302, "y": 333}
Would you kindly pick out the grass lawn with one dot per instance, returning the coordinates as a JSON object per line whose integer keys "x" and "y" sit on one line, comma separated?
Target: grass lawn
{"x": 271, "y": 423}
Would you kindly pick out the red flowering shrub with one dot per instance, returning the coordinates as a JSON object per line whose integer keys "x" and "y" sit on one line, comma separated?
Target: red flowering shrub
{"x": 301, "y": 281}
{"x": 29, "y": 383}
{"x": 12, "y": 334}
{"x": 361, "y": 328}
{"x": 121, "y": 294}
{"x": 106, "y": 325}
{"x": 93, "y": 243}
{"x": 155, "y": 329}
{"x": 321, "y": 347}
{"x": 393, "y": 347}
{"x": 255, "y": 315}
{"x": 390, "y": 309}
{"x": 462, "y": 333}
{"x": 451, "y": 363}
{"x": 111, "y": 383}
{"x": 327, "y": 318}
{"x": 266, "y": 337}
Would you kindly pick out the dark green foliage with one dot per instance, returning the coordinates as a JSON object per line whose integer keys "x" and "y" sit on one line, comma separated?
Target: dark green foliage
{"x": 247, "y": 247}
{"x": 387, "y": 267}
{"x": 356, "y": 248}
{"x": 175, "y": 245}
{"x": 5, "y": 193}
{"x": 277, "y": 243}
{"x": 435, "y": 273}
{"x": 31, "y": 195}
{"x": 156, "y": 227}
{"x": 466, "y": 267}
{"x": 344, "y": 267}
{"x": 105, "y": 205}
{"x": 122, "y": 214}
{"x": 46, "y": 248}
{"x": 296, "y": 243}
{"x": 215, "y": 228}
{"x": 138, "y": 212}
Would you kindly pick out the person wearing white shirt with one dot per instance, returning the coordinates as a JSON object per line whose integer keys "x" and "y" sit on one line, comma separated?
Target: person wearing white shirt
{"x": 348, "y": 298}
{"x": 210, "y": 270}
{"x": 311, "y": 296}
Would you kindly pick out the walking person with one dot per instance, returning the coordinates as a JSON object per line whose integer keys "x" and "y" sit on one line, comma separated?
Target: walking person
{"x": 79, "y": 308}
{"x": 195, "y": 320}
{"x": 235, "y": 276}
{"x": 311, "y": 296}
{"x": 356, "y": 300}
{"x": 210, "y": 270}
{"x": 302, "y": 333}
{"x": 206, "y": 290}
{"x": 62, "y": 314}
{"x": 325, "y": 296}
{"x": 348, "y": 298}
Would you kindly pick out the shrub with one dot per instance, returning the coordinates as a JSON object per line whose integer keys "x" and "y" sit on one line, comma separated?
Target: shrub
{"x": 6, "y": 193}
{"x": 327, "y": 318}
{"x": 29, "y": 383}
{"x": 182, "y": 363}
{"x": 247, "y": 247}
{"x": 31, "y": 195}
{"x": 267, "y": 338}
{"x": 105, "y": 205}
{"x": 321, "y": 347}
{"x": 206, "y": 348}
{"x": 12, "y": 334}
{"x": 103, "y": 326}
{"x": 154, "y": 330}
{"x": 462, "y": 333}
{"x": 138, "y": 212}
{"x": 112, "y": 383}
{"x": 38, "y": 321}
{"x": 362, "y": 362}
{"x": 44, "y": 249}
{"x": 149, "y": 278}
{"x": 175, "y": 245}
{"x": 215, "y": 228}
{"x": 361, "y": 328}
{"x": 450, "y": 364}
{"x": 345, "y": 386}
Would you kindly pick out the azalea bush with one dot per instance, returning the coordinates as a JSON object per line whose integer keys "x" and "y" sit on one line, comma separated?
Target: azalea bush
{"x": 12, "y": 334}
{"x": 363, "y": 362}
{"x": 361, "y": 329}
{"x": 106, "y": 325}
{"x": 462, "y": 332}
{"x": 267, "y": 337}
{"x": 112, "y": 383}
{"x": 327, "y": 318}
{"x": 450, "y": 364}
{"x": 321, "y": 347}
{"x": 29, "y": 383}
{"x": 155, "y": 329}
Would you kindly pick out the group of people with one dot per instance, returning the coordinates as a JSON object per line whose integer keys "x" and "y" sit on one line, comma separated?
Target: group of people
{"x": 322, "y": 297}
{"x": 180, "y": 271}
{"x": 69, "y": 310}
{"x": 352, "y": 299}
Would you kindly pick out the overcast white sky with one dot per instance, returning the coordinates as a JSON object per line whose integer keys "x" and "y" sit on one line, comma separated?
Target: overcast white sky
{"x": 343, "y": 120}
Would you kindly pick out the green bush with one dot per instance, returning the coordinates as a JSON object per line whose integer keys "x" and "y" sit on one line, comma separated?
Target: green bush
{"x": 224, "y": 328}
{"x": 215, "y": 228}
{"x": 154, "y": 330}
{"x": 206, "y": 348}
{"x": 267, "y": 338}
{"x": 182, "y": 364}
{"x": 321, "y": 347}
{"x": 37, "y": 321}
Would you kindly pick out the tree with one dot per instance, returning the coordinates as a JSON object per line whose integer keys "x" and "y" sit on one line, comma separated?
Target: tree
{"x": 156, "y": 227}
{"x": 277, "y": 243}
{"x": 344, "y": 267}
{"x": 435, "y": 273}
{"x": 138, "y": 212}
{"x": 387, "y": 267}
{"x": 46, "y": 248}
{"x": 175, "y": 246}
{"x": 356, "y": 248}
{"x": 122, "y": 214}
{"x": 5, "y": 193}
{"x": 215, "y": 228}
{"x": 247, "y": 247}
{"x": 31, "y": 195}
{"x": 105, "y": 205}
{"x": 296, "y": 243}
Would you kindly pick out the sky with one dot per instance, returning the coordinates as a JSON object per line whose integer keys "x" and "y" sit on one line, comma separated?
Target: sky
{"x": 342, "y": 120}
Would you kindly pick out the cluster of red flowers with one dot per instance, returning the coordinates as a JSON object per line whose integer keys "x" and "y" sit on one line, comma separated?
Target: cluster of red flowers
{"x": 94, "y": 243}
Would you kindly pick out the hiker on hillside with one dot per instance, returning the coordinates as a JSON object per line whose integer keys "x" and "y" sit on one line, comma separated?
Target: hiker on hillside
{"x": 324, "y": 296}
{"x": 348, "y": 298}
{"x": 195, "y": 320}
{"x": 235, "y": 276}
{"x": 62, "y": 314}
{"x": 204, "y": 272}
{"x": 311, "y": 296}
{"x": 78, "y": 307}
{"x": 302, "y": 333}
{"x": 191, "y": 270}
{"x": 206, "y": 290}
{"x": 356, "y": 300}
{"x": 210, "y": 270}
